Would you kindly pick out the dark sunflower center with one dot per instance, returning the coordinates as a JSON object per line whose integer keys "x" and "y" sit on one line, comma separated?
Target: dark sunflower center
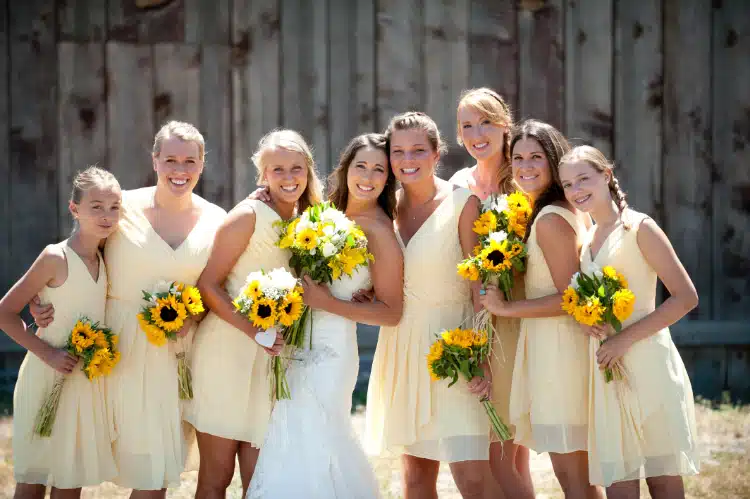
{"x": 264, "y": 311}
{"x": 288, "y": 308}
{"x": 495, "y": 257}
{"x": 168, "y": 314}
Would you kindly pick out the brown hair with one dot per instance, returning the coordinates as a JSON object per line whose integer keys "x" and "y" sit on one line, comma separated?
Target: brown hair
{"x": 181, "y": 130}
{"x": 93, "y": 176}
{"x": 291, "y": 141}
{"x": 416, "y": 120}
{"x": 600, "y": 163}
{"x": 555, "y": 146}
{"x": 492, "y": 107}
{"x": 338, "y": 187}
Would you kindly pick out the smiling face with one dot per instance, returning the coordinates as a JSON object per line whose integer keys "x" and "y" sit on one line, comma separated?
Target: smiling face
{"x": 412, "y": 157}
{"x": 531, "y": 169}
{"x": 585, "y": 187}
{"x": 178, "y": 165}
{"x": 98, "y": 210}
{"x": 285, "y": 173}
{"x": 481, "y": 138}
{"x": 367, "y": 174}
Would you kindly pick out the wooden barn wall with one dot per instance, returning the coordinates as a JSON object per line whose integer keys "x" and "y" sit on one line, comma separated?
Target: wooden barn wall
{"x": 662, "y": 86}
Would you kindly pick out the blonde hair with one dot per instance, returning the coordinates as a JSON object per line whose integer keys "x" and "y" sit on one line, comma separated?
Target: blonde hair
{"x": 493, "y": 108}
{"x": 291, "y": 141}
{"x": 183, "y": 131}
{"x": 91, "y": 177}
{"x": 600, "y": 163}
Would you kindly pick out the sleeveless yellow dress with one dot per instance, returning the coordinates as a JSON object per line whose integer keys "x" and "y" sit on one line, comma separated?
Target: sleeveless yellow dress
{"x": 406, "y": 411}
{"x": 231, "y": 383}
{"x": 505, "y": 339}
{"x": 647, "y": 427}
{"x": 549, "y": 395}
{"x": 79, "y": 451}
{"x": 150, "y": 445}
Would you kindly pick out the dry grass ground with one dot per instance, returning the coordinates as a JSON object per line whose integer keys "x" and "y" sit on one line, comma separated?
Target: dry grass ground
{"x": 724, "y": 433}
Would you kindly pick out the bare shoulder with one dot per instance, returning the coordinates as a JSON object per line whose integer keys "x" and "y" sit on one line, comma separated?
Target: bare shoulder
{"x": 52, "y": 264}
{"x": 376, "y": 225}
{"x": 207, "y": 207}
{"x": 552, "y": 225}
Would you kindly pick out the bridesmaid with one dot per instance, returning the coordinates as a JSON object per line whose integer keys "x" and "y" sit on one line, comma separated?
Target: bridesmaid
{"x": 657, "y": 441}
{"x": 483, "y": 128}
{"x": 425, "y": 421}
{"x": 232, "y": 393}
{"x": 549, "y": 393}
{"x": 70, "y": 274}
{"x": 165, "y": 233}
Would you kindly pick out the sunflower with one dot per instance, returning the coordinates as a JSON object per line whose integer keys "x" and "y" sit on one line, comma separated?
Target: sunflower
{"x": 468, "y": 270}
{"x": 479, "y": 338}
{"x": 622, "y": 304}
{"x": 609, "y": 272}
{"x": 154, "y": 334}
{"x": 486, "y": 223}
{"x": 459, "y": 337}
{"x": 82, "y": 336}
{"x": 436, "y": 353}
{"x": 493, "y": 257}
{"x": 290, "y": 309}
{"x": 307, "y": 239}
{"x": 519, "y": 204}
{"x": 169, "y": 314}
{"x": 590, "y": 312}
{"x": 263, "y": 313}
{"x": 100, "y": 340}
{"x": 569, "y": 300}
{"x": 191, "y": 298}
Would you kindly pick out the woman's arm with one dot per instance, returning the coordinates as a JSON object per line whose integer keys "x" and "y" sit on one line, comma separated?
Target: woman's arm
{"x": 50, "y": 267}
{"x": 660, "y": 255}
{"x": 559, "y": 245}
{"x": 469, "y": 239}
{"x": 387, "y": 274}
{"x": 230, "y": 242}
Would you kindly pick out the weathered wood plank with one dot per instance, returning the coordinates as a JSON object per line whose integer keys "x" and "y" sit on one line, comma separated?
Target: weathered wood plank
{"x": 82, "y": 116}
{"x": 687, "y": 141}
{"x": 215, "y": 123}
{"x": 33, "y": 132}
{"x": 319, "y": 76}
{"x": 493, "y": 48}
{"x": 638, "y": 103}
{"x": 343, "y": 104}
{"x": 82, "y": 20}
{"x": 707, "y": 369}
{"x": 711, "y": 332}
{"x": 208, "y": 22}
{"x": 399, "y": 52}
{"x": 738, "y": 373}
{"x": 541, "y": 55}
{"x": 129, "y": 21}
{"x": 731, "y": 157}
{"x": 130, "y": 113}
{"x": 446, "y": 39}
{"x": 256, "y": 78}
{"x": 296, "y": 36}
{"x": 177, "y": 88}
{"x": 364, "y": 77}
{"x": 5, "y": 185}
{"x": 588, "y": 72}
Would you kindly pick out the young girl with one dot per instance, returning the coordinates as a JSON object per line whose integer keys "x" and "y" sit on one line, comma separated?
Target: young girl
{"x": 232, "y": 393}
{"x": 657, "y": 439}
{"x": 483, "y": 128}
{"x": 310, "y": 437}
{"x": 72, "y": 276}
{"x": 549, "y": 393}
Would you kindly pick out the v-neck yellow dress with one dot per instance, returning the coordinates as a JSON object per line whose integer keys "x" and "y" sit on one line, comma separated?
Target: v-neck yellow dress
{"x": 407, "y": 413}
{"x": 150, "y": 445}
{"x": 647, "y": 427}
{"x": 79, "y": 452}
{"x": 231, "y": 372}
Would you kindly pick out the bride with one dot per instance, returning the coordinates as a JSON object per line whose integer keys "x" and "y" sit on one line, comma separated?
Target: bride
{"x": 310, "y": 449}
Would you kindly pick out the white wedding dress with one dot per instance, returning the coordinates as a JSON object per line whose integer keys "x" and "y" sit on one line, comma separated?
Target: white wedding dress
{"x": 311, "y": 449}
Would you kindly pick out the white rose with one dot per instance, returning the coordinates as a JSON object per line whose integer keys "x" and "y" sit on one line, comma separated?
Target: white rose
{"x": 499, "y": 236}
{"x": 329, "y": 230}
{"x": 282, "y": 279}
{"x": 312, "y": 252}
{"x": 574, "y": 281}
{"x": 328, "y": 250}
{"x": 501, "y": 204}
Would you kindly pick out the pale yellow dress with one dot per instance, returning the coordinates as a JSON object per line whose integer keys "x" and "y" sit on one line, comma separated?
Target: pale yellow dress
{"x": 505, "y": 339}
{"x": 150, "y": 445}
{"x": 406, "y": 411}
{"x": 646, "y": 428}
{"x": 231, "y": 383}
{"x": 549, "y": 395}
{"x": 79, "y": 452}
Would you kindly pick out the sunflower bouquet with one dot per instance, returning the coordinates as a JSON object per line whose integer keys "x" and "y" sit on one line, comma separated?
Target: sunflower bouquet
{"x": 167, "y": 307}
{"x": 96, "y": 346}
{"x": 460, "y": 353}
{"x": 272, "y": 300}
{"x": 602, "y": 297}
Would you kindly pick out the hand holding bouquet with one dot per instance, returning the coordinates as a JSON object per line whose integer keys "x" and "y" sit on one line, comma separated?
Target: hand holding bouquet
{"x": 461, "y": 352}
{"x": 269, "y": 301}
{"x": 602, "y": 297}
{"x": 163, "y": 317}
{"x": 96, "y": 346}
